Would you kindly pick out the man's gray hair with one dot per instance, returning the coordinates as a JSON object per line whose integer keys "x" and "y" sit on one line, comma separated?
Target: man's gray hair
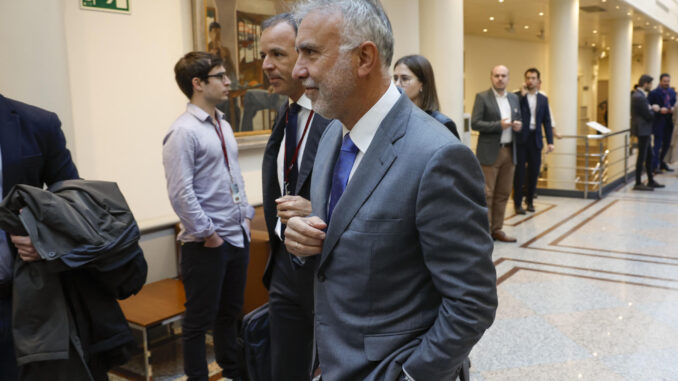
{"x": 364, "y": 20}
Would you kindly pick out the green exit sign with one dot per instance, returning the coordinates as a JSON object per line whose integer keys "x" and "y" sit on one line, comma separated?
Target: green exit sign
{"x": 121, "y": 6}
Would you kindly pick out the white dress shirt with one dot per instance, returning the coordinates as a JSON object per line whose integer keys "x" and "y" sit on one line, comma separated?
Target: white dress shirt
{"x": 363, "y": 132}
{"x": 532, "y": 103}
{"x": 302, "y": 119}
{"x": 505, "y": 111}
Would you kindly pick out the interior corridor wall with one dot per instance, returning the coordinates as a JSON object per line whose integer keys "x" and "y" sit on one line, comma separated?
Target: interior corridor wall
{"x": 481, "y": 54}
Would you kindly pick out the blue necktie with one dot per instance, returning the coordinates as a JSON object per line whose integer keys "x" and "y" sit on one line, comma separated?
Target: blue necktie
{"x": 291, "y": 146}
{"x": 342, "y": 169}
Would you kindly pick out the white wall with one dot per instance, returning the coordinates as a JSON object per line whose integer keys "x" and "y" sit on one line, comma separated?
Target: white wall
{"x": 482, "y": 54}
{"x": 34, "y": 65}
{"x": 404, "y": 16}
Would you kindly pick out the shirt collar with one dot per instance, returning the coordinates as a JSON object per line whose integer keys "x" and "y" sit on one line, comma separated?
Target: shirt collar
{"x": 303, "y": 101}
{"x": 363, "y": 131}
{"x": 496, "y": 94}
{"x": 201, "y": 114}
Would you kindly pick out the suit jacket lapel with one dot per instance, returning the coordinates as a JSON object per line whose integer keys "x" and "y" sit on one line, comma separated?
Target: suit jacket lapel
{"x": 493, "y": 101}
{"x": 316, "y": 130}
{"x": 323, "y": 168}
{"x": 10, "y": 143}
{"x": 373, "y": 166}
{"x": 270, "y": 186}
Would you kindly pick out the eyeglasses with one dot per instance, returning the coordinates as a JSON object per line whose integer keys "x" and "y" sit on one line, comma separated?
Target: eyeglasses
{"x": 222, "y": 76}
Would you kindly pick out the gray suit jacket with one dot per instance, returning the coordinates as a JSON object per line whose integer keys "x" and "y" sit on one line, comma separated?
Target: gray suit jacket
{"x": 405, "y": 277}
{"x": 641, "y": 115}
{"x": 486, "y": 119}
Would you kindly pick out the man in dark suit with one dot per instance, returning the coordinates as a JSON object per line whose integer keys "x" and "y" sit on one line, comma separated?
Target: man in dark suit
{"x": 34, "y": 153}
{"x": 496, "y": 116}
{"x": 534, "y": 108}
{"x": 405, "y": 284}
{"x": 642, "y": 116}
{"x": 662, "y": 127}
{"x": 287, "y": 166}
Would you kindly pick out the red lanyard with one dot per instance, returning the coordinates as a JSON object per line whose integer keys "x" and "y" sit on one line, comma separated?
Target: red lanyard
{"x": 296, "y": 152}
{"x": 223, "y": 143}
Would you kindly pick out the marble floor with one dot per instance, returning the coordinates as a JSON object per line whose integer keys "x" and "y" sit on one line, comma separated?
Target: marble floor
{"x": 589, "y": 292}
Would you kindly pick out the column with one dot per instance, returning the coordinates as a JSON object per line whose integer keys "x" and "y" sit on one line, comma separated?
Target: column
{"x": 562, "y": 71}
{"x": 671, "y": 63}
{"x": 621, "y": 83}
{"x": 653, "y": 55}
{"x": 442, "y": 41}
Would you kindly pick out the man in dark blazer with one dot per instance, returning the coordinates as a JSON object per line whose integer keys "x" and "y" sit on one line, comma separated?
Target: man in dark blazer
{"x": 534, "y": 108}
{"x": 496, "y": 116}
{"x": 662, "y": 127}
{"x": 642, "y": 116}
{"x": 405, "y": 284}
{"x": 288, "y": 279}
{"x": 34, "y": 153}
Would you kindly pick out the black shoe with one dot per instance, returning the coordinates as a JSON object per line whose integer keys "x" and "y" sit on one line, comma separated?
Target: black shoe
{"x": 655, "y": 184}
{"x": 666, "y": 167}
{"x": 519, "y": 209}
{"x": 530, "y": 207}
{"x": 657, "y": 171}
{"x": 643, "y": 187}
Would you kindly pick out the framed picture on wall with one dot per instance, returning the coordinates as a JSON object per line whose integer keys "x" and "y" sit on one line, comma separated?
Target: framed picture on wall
{"x": 231, "y": 29}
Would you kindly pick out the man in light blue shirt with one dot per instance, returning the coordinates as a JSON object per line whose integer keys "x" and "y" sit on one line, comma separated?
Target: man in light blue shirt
{"x": 206, "y": 190}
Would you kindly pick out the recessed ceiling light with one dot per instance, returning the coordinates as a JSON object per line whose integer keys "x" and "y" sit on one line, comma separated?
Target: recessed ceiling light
{"x": 595, "y": 31}
{"x": 594, "y": 44}
{"x": 628, "y": 13}
{"x": 485, "y": 30}
{"x": 647, "y": 23}
{"x": 491, "y": 18}
{"x": 541, "y": 13}
{"x": 617, "y": 7}
{"x": 526, "y": 27}
{"x": 604, "y": 1}
{"x": 501, "y": 1}
{"x": 640, "y": 46}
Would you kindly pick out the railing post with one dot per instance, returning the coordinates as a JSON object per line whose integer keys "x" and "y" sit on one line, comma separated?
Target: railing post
{"x": 626, "y": 158}
{"x": 586, "y": 167}
{"x": 601, "y": 169}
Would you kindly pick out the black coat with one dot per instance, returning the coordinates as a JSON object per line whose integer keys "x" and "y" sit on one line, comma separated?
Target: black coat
{"x": 88, "y": 239}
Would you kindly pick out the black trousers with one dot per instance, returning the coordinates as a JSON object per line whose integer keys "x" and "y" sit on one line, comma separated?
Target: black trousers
{"x": 8, "y": 367}
{"x": 529, "y": 155}
{"x": 291, "y": 317}
{"x": 644, "y": 158}
{"x": 214, "y": 280}
{"x": 666, "y": 142}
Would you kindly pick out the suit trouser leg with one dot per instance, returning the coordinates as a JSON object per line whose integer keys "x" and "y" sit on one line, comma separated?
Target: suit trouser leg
{"x": 666, "y": 141}
{"x": 8, "y": 367}
{"x": 498, "y": 182}
{"x": 291, "y": 318}
{"x": 490, "y": 173}
{"x": 533, "y": 166}
{"x": 644, "y": 159}
{"x": 658, "y": 137}
{"x": 519, "y": 176}
{"x": 205, "y": 273}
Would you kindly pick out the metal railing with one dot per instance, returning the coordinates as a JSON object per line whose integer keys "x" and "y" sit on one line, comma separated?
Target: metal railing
{"x": 597, "y": 160}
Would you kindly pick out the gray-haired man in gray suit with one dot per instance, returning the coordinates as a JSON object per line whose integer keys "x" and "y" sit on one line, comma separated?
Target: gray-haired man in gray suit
{"x": 405, "y": 284}
{"x": 496, "y": 116}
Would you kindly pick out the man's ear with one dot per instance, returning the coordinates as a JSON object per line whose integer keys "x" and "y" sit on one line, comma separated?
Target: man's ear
{"x": 197, "y": 84}
{"x": 368, "y": 58}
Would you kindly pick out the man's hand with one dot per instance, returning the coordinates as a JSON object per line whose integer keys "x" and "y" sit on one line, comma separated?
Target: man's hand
{"x": 664, "y": 110}
{"x": 655, "y": 108}
{"x": 506, "y": 123}
{"x": 213, "y": 241}
{"x": 292, "y": 206}
{"x": 27, "y": 251}
{"x": 304, "y": 236}
{"x": 517, "y": 125}
{"x": 549, "y": 148}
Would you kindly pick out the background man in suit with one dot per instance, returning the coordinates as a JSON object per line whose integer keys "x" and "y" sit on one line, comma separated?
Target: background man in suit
{"x": 662, "y": 129}
{"x": 534, "y": 108}
{"x": 642, "y": 115}
{"x": 496, "y": 116}
{"x": 33, "y": 151}
{"x": 405, "y": 283}
{"x": 287, "y": 167}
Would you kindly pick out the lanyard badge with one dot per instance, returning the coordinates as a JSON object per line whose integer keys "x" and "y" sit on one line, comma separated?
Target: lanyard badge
{"x": 235, "y": 190}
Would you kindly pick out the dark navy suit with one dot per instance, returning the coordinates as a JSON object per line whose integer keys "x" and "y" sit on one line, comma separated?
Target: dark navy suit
{"x": 529, "y": 146}
{"x": 34, "y": 153}
{"x": 662, "y": 127}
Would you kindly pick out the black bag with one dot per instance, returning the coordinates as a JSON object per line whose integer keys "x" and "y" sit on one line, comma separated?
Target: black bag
{"x": 257, "y": 344}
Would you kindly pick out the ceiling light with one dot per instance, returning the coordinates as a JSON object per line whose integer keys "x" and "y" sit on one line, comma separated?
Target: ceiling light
{"x": 541, "y": 13}
{"x": 595, "y": 31}
{"x": 647, "y": 23}
{"x": 640, "y": 46}
{"x": 604, "y": 1}
{"x": 501, "y": 1}
{"x": 491, "y": 18}
{"x": 628, "y": 13}
{"x": 593, "y": 44}
{"x": 617, "y": 7}
{"x": 485, "y": 30}
{"x": 526, "y": 27}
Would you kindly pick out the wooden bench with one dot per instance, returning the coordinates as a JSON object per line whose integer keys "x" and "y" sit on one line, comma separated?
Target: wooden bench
{"x": 162, "y": 302}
